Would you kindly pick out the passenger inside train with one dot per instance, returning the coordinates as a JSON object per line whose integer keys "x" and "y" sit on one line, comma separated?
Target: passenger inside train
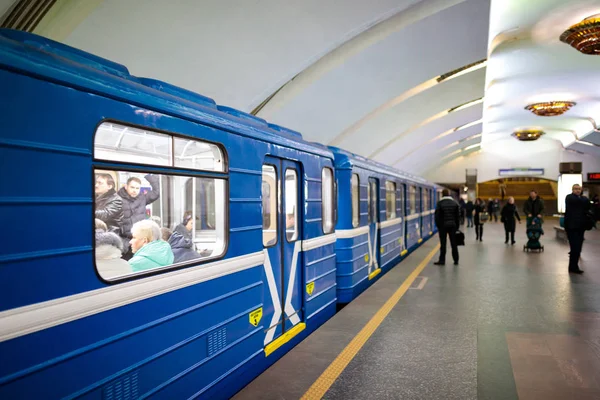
{"x": 177, "y": 219}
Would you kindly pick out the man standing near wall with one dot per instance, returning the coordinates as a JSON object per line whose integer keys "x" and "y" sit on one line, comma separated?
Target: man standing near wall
{"x": 575, "y": 217}
{"x": 447, "y": 221}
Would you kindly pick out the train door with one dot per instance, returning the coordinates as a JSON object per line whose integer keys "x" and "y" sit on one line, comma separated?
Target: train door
{"x": 281, "y": 242}
{"x": 402, "y": 214}
{"x": 374, "y": 239}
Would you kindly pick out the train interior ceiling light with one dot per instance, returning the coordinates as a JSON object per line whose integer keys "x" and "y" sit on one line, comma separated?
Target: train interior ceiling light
{"x": 584, "y": 36}
{"x": 528, "y": 135}
{"x": 550, "y": 108}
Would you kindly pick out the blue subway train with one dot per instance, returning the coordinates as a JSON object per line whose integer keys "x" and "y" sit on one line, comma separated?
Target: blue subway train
{"x": 156, "y": 244}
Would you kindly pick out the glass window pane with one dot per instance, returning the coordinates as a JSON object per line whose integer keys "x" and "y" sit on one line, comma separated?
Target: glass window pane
{"x": 124, "y": 143}
{"x": 269, "y": 205}
{"x": 291, "y": 205}
{"x": 413, "y": 199}
{"x": 354, "y": 183}
{"x": 195, "y": 154}
{"x": 327, "y": 199}
{"x": 149, "y": 221}
{"x": 373, "y": 217}
{"x": 390, "y": 200}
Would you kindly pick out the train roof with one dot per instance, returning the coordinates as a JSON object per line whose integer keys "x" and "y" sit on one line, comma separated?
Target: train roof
{"x": 44, "y": 58}
{"x": 347, "y": 159}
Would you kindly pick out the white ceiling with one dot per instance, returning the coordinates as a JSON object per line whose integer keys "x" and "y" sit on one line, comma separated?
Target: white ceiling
{"x": 362, "y": 75}
{"x": 527, "y": 63}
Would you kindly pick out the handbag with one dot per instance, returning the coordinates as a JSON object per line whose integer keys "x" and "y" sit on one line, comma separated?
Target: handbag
{"x": 484, "y": 217}
{"x": 589, "y": 222}
{"x": 460, "y": 238}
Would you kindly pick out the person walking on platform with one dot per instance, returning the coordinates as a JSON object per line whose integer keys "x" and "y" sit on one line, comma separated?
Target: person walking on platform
{"x": 479, "y": 220}
{"x": 447, "y": 220}
{"x": 534, "y": 206}
{"x": 507, "y": 216}
{"x": 577, "y": 207}
{"x": 469, "y": 207}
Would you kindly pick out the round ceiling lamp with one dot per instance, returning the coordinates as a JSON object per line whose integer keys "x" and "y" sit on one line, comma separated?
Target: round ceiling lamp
{"x": 584, "y": 36}
{"x": 550, "y": 108}
{"x": 528, "y": 135}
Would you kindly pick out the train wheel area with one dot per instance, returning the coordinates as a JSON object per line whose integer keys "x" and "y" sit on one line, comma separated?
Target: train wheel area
{"x": 503, "y": 324}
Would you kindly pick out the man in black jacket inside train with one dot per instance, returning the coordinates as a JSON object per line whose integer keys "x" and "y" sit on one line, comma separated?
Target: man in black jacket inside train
{"x": 447, "y": 221}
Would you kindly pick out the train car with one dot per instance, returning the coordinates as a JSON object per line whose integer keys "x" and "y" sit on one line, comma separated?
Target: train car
{"x": 379, "y": 220}
{"x": 96, "y": 163}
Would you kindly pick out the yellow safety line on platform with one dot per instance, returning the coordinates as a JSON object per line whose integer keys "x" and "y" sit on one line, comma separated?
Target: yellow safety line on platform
{"x": 328, "y": 377}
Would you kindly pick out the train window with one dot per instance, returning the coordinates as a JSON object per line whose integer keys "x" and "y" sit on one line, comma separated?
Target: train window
{"x": 390, "y": 200}
{"x": 327, "y": 199}
{"x": 149, "y": 221}
{"x": 373, "y": 198}
{"x": 400, "y": 202}
{"x": 291, "y": 205}
{"x": 117, "y": 142}
{"x": 269, "y": 205}
{"x": 425, "y": 199}
{"x": 198, "y": 155}
{"x": 355, "y": 194}
{"x": 412, "y": 199}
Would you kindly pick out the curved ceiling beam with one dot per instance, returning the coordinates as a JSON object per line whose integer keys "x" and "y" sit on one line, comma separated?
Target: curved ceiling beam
{"x": 443, "y": 153}
{"x": 424, "y": 122}
{"x": 355, "y": 45}
{"x": 469, "y": 150}
{"x": 399, "y": 99}
{"x": 438, "y": 137}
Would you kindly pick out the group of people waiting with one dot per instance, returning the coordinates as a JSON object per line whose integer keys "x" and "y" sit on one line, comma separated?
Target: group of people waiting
{"x": 127, "y": 241}
{"x": 478, "y": 213}
{"x": 578, "y": 219}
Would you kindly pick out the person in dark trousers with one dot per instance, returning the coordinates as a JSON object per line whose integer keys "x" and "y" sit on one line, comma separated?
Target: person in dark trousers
{"x": 507, "y": 216}
{"x": 463, "y": 213}
{"x": 447, "y": 221}
{"x": 469, "y": 207}
{"x": 575, "y": 215}
{"x": 479, "y": 208}
{"x": 495, "y": 210}
{"x": 534, "y": 206}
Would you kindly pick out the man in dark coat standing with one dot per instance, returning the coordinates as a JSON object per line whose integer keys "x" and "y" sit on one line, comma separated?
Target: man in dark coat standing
{"x": 134, "y": 204}
{"x": 447, "y": 221}
{"x": 534, "y": 206}
{"x": 108, "y": 206}
{"x": 575, "y": 216}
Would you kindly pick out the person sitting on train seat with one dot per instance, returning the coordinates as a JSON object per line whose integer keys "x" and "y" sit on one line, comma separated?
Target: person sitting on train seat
{"x": 109, "y": 248}
{"x": 134, "y": 202}
{"x": 166, "y": 233}
{"x": 99, "y": 225}
{"x": 185, "y": 228}
{"x": 183, "y": 248}
{"x": 149, "y": 251}
{"x": 108, "y": 204}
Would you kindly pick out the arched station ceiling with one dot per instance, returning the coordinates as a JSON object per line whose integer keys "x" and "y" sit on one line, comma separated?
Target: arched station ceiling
{"x": 369, "y": 77}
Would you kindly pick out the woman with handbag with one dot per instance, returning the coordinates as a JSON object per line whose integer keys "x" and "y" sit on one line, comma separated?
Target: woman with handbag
{"x": 481, "y": 217}
{"x": 507, "y": 216}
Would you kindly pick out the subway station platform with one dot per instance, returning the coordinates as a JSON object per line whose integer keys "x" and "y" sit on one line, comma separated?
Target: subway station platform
{"x": 504, "y": 324}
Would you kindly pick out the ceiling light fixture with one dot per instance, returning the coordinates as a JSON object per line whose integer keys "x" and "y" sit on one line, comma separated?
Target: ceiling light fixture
{"x": 550, "y": 108}
{"x": 584, "y": 36}
{"x": 528, "y": 135}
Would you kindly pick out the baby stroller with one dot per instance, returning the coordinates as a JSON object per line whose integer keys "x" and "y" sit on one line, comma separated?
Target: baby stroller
{"x": 534, "y": 232}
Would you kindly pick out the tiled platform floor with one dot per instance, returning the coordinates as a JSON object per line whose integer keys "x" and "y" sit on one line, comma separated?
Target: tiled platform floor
{"x": 504, "y": 324}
